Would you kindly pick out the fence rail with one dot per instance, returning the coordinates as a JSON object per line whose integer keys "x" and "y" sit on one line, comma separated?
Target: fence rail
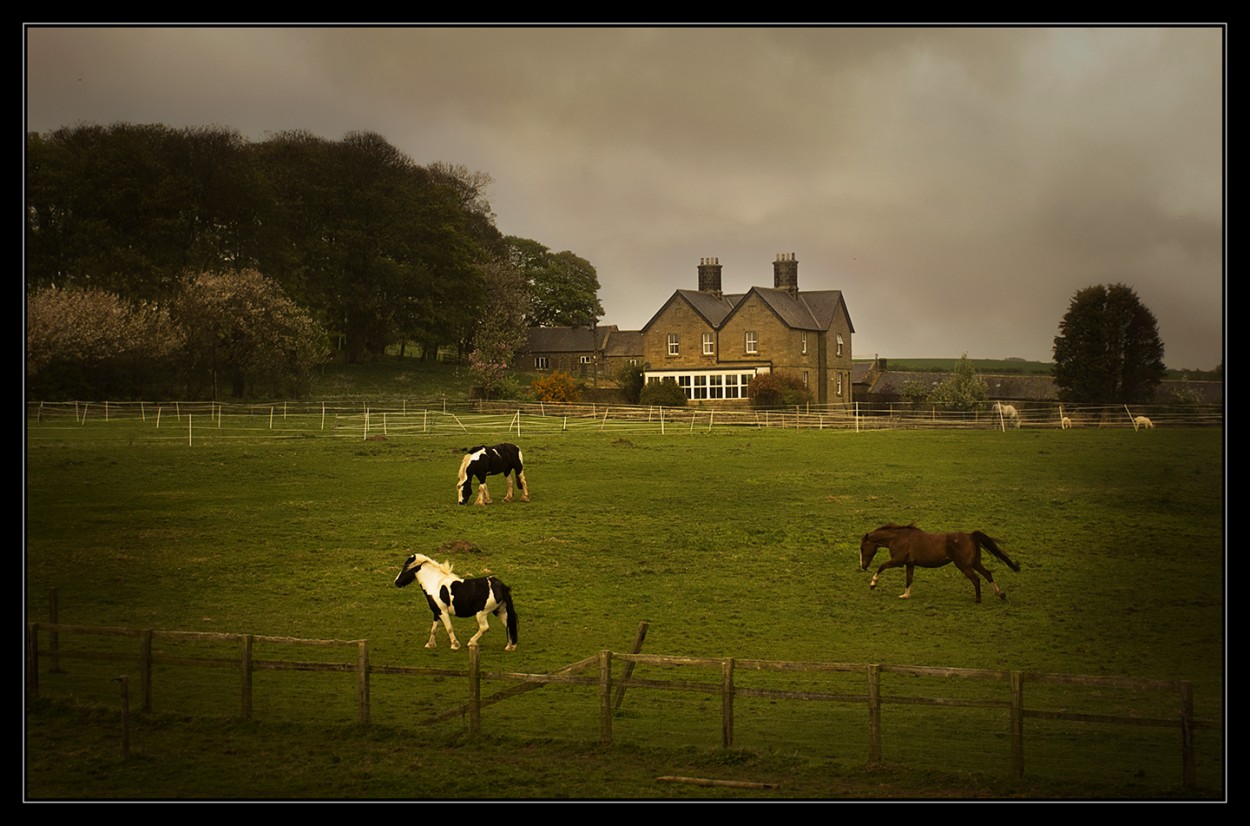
{"x": 615, "y": 677}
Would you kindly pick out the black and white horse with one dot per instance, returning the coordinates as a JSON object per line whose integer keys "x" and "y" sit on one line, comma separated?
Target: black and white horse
{"x": 450, "y": 595}
{"x": 483, "y": 461}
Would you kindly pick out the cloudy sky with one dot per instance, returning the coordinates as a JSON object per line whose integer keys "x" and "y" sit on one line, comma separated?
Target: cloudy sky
{"x": 959, "y": 185}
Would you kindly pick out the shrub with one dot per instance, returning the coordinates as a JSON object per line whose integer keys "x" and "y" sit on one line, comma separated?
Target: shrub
{"x": 777, "y": 390}
{"x": 556, "y": 387}
{"x": 629, "y": 379}
{"x": 663, "y": 393}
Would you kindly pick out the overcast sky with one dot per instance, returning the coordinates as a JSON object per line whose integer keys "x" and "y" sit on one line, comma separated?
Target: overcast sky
{"x": 959, "y": 185}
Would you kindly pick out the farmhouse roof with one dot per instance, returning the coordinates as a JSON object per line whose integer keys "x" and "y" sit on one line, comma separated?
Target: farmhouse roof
{"x": 567, "y": 339}
{"x": 813, "y": 310}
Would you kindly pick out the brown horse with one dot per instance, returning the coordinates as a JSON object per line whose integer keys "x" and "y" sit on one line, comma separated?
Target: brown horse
{"x": 909, "y": 546}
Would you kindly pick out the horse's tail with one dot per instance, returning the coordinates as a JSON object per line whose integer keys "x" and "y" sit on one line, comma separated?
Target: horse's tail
{"x": 503, "y": 595}
{"x": 989, "y": 545}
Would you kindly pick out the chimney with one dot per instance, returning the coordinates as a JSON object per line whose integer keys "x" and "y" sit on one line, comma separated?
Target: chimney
{"x": 709, "y": 276}
{"x": 786, "y": 274}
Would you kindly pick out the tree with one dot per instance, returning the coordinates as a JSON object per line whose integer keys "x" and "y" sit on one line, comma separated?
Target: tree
{"x": 564, "y": 288}
{"x": 90, "y": 343}
{"x": 963, "y": 390}
{"x": 500, "y": 331}
{"x": 629, "y": 377}
{"x": 1108, "y": 349}
{"x": 241, "y": 328}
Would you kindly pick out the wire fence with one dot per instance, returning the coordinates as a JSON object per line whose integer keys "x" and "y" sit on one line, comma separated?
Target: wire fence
{"x": 394, "y": 418}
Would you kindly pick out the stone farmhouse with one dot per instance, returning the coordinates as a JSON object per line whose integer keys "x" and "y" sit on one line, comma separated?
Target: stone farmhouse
{"x": 712, "y": 343}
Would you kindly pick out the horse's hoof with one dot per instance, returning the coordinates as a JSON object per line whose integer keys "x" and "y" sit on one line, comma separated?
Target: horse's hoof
{"x": 430, "y": 645}
{"x": 1003, "y": 597}
{"x": 904, "y": 596}
{"x": 455, "y": 646}
{"x": 509, "y": 648}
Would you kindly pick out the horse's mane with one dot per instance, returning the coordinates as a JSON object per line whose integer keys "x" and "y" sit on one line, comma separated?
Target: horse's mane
{"x": 445, "y": 567}
{"x": 894, "y": 527}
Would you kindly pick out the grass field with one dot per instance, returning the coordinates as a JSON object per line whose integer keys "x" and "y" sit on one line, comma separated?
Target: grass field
{"x": 733, "y": 543}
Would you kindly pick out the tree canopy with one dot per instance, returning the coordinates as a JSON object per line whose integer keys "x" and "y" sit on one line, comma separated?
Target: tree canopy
{"x": 563, "y": 287}
{"x": 1108, "y": 349}
{"x": 374, "y": 247}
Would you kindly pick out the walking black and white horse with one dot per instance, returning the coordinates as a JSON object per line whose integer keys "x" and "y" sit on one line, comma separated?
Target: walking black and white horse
{"x": 450, "y": 595}
{"x": 482, "y": 461}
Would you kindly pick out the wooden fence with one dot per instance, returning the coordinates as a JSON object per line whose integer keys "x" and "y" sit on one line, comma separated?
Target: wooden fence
{"x": 611, "y": 683}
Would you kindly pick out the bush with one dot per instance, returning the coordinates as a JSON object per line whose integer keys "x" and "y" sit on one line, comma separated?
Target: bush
{"x": 629, "y": 379}
{"x": 556, "y": 387}
{"x": 778, "y": 390}
{"x": 663, "y": 393}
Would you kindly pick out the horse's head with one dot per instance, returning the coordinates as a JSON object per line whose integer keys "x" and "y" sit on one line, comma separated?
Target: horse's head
{"x": 464, "y": 482}
{"x": 409, "y": 572}
{"x": 867, "y": 550}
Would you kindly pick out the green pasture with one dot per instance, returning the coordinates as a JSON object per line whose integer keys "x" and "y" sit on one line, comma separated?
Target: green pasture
{"x": 735, "y": 543}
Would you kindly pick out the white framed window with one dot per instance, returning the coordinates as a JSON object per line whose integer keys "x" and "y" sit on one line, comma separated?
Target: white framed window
{"x": 674, "y": 344}
{"x": 585, "y": 359}
{"x": 709, "y": 345}
{"x": 803, "y": 342}
{"x": 752, "y": 341}
{"x": 541, "y": 363}
{"x": 839, "y": 384}
{"x": 805, "y": 378}
{"x": 839, "y": 352}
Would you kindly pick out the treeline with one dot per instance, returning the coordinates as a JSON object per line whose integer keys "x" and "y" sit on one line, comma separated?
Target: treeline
{"x": 374, "y": 247}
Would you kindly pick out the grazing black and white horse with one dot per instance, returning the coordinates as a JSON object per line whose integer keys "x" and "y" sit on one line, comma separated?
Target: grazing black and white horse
{"x": 450, "y": 595}
{"x": 483, "y": 461}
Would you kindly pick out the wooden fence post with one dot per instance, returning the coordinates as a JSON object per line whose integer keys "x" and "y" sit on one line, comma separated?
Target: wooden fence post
{"x": 125, "y": 716}
{"x": 54, "y": 639}
{"x": 362, "y": 678}
{"x": 1187, "y": 734}
{"x": 727, "y": 702}
{"x": 246, "y": 668}
{"x": 1017, "y": 722}
{"x": 145, "y": 668}
{"x": 605, "y": 698}
{"x": 874, "y": 715}
{"x": 32, "y": 659}
{"x": 629, "y": 665}
{"x": 475, "y": 688}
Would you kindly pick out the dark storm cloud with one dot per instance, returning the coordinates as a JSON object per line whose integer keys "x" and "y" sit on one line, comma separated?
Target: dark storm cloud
{"x": 959, "y": 185}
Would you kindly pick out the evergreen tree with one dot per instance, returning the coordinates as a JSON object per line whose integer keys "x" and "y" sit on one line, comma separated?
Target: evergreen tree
{"x": 1108, "y": 349}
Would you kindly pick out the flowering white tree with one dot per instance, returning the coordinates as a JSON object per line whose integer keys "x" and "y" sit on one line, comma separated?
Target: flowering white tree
{"x": 241, "y": 328}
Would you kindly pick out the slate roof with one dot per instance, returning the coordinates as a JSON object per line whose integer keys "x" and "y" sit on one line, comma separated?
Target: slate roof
{"x": 809, "y": 311}
{"x": 567, "y": 339}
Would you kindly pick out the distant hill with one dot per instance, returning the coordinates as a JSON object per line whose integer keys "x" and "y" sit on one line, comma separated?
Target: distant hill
{"x": 1017, "y": 366}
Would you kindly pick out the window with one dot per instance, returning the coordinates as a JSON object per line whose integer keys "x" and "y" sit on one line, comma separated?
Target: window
{"x": 839, "y": 353}
{"x": 753, "y": 341}
{"x": 803, "y": 342}
{"x": 839, "y": 391}
{"x": 673, "y": 346}
{"x": 585, "y": 359}
{"x": 709, "y": 346}
{"x": 540, "y": 363}
{"x": 716, "y": 388}
{"x": 805, "y": 378}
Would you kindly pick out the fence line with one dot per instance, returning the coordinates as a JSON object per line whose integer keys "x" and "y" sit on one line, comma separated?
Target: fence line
{"x": 189, "y": 421}
{"x": 611, "y": 688}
